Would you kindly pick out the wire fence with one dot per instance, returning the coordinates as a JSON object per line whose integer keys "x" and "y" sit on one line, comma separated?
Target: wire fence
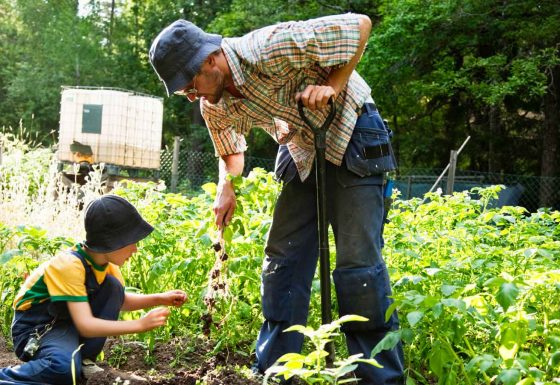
{"x": 196, "y": 168}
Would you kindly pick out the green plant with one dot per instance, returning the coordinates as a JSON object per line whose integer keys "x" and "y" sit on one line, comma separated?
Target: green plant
{"x": 312, "y": 368}
{"x": 477, "y": 290}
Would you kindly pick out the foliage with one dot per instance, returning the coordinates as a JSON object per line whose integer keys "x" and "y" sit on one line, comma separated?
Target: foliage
{"x": 476, "y": 286}
{"x": 312, "y": 368}
{"x": 438, "y": 70}
{"x": 443, "y": 70}
{"x": 477, "y": 289}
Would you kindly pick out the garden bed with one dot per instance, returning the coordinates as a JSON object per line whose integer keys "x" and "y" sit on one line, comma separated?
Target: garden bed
{"x": 169, "y": 364}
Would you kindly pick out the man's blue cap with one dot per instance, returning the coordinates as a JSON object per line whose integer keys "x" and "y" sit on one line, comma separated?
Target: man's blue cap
{"x": 178, "y": 52}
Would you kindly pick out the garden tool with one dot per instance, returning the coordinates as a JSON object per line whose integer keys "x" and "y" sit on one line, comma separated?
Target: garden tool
{"x": 320, "y": 135}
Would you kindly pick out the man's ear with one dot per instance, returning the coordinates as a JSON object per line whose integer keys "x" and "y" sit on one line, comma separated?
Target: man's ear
{"x": 210, "y": 60}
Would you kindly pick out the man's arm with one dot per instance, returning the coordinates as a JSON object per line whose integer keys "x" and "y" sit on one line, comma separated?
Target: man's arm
{"x": 225, "y": 202}
{"x": 89, "y": 326}
{"x": 316, "y": 97}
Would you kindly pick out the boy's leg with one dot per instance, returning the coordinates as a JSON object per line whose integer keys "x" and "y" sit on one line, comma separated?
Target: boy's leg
{"x": 105, "y": 304}
{"x": 52, "y": 364}
{"x": 288, "y": 269}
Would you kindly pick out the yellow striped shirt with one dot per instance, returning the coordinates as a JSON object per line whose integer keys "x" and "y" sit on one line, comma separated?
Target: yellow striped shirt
{"x": 61, "y": 278}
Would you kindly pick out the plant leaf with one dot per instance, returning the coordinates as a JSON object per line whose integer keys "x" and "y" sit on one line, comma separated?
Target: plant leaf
{"x": 414, "y": 317}
{"x": 507, "y": 294}
{"x": 388, "y": 342}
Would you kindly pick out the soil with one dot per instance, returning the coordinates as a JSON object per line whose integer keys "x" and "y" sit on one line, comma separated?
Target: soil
{"x": 177, "y": 362}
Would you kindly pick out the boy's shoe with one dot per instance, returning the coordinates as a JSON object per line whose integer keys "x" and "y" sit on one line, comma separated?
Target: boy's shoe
{"x": 89, "y": 368}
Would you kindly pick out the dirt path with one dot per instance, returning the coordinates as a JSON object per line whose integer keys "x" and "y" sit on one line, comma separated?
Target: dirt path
{"x": 7, "y": 357}
{"x": 174, "y": 363}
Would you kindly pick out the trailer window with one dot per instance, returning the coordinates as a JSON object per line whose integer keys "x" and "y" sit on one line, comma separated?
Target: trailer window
{"x": 91, "y": 118}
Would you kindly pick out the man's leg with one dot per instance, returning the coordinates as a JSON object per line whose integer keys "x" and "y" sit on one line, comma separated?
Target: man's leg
{"x": 361, "y": 278}
{"x": 288, "y": 269}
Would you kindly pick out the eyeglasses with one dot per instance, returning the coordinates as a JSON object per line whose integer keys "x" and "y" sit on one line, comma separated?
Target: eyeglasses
{"x": 191, "y": 93}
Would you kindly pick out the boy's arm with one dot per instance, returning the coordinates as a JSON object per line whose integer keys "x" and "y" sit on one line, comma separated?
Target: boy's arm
{"x": 89, "y": 326}
{"x": 134, "y": 301}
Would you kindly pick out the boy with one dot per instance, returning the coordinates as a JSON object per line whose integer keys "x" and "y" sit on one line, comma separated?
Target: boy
{"x": 75, "y": 298}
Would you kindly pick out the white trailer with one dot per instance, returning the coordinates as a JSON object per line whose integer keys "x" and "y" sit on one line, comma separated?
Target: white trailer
{"x": 120, "y": 128}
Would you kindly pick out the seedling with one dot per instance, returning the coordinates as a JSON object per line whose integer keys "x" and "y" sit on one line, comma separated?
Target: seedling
{"x": 312, "y": 368}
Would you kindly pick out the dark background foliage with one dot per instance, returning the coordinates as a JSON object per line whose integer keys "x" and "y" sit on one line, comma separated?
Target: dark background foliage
{"x": 439, "y": 70}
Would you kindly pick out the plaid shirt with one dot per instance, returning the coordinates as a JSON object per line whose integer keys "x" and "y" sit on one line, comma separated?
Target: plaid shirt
{"x": 269, "y": 66}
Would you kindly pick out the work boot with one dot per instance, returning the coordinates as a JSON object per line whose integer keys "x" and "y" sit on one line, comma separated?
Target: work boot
{"x": 90, "y": 368}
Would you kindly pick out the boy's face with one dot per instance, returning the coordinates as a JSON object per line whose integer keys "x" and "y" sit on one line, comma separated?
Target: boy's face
{"x": 120, "y": 256}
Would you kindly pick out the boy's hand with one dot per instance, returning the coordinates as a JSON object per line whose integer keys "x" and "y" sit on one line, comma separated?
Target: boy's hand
{"x": 155, "y": 318}
{"x": 173, "y": 298}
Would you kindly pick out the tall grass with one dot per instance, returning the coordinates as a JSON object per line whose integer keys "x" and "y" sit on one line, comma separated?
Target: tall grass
{"x": 32, "y": 192}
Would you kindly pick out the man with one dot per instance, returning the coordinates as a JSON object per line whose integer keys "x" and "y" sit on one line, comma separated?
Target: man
{"x": 256, "y": 81}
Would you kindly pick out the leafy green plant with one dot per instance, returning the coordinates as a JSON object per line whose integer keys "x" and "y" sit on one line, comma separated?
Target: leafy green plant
{"x": 477, "y": 290}
{"x": 312, "y": 368}
{"x": 476, "y": 286}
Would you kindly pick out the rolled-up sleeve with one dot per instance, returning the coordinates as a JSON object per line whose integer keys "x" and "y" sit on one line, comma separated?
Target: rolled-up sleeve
{"x": 327, "y": 42}
{"x": 222, "y": 131}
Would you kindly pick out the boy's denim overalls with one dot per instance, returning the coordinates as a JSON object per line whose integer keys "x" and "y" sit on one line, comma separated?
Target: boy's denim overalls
{"x": 356, "y": 214}
{"x": 52, "y": 363}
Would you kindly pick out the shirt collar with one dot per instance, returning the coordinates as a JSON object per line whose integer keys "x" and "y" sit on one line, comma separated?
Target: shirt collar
{"x": 233, "y": 63}
{"x": 83, "y": 253}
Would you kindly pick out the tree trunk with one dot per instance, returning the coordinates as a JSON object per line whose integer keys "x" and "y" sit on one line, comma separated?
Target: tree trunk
{"x": 551, "y": 132}
{"x": 494, "y": 131}
{"x": 111, "y": 22}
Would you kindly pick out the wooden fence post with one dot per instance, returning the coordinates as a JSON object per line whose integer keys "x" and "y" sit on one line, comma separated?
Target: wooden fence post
{"x": 175, "y": 164}
{"x": 408, "y": 187}
{"x": 451, "y": 173}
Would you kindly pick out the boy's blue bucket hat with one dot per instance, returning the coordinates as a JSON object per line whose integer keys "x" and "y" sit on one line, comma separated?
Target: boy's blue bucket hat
{"x": 112, "y": 223}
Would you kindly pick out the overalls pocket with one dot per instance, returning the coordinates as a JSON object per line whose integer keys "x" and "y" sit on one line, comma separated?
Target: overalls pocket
{"x": 369, "y": 151}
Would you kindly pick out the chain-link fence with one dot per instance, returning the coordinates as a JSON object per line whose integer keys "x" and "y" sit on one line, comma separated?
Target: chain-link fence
{"x": 196, "y": 168}
{"x": 531, "y": 192}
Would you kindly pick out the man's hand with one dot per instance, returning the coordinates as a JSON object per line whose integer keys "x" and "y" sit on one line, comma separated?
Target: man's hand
{"x": 155, "y": 318}
{"x": 173, "y": 298}
{"x": 316, "y": 97}
{"x": 225, "y": 203}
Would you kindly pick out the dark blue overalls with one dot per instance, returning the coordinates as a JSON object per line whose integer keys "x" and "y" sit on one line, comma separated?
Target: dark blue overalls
{"x": 52, "y": 362}
{"x": 355, "y": 211}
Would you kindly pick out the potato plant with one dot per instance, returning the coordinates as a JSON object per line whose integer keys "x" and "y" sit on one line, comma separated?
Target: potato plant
{"x": 477, "y": 290}
{"x": 476, "y": 287}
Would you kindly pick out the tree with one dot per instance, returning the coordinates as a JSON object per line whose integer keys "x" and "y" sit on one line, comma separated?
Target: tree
{"x": 444, "y": 70}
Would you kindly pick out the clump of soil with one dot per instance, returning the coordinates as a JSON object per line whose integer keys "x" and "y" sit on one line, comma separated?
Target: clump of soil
{"x": 181, "y": 362}
{"x": 7, "y": 356}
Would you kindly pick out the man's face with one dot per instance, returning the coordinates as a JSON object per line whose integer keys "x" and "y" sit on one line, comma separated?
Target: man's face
{"x": 208, "y": 83}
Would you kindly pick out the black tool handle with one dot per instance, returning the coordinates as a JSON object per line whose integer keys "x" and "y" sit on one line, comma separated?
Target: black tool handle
{"x": 319, "y": 132}
{"x": 322, "y": 220}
